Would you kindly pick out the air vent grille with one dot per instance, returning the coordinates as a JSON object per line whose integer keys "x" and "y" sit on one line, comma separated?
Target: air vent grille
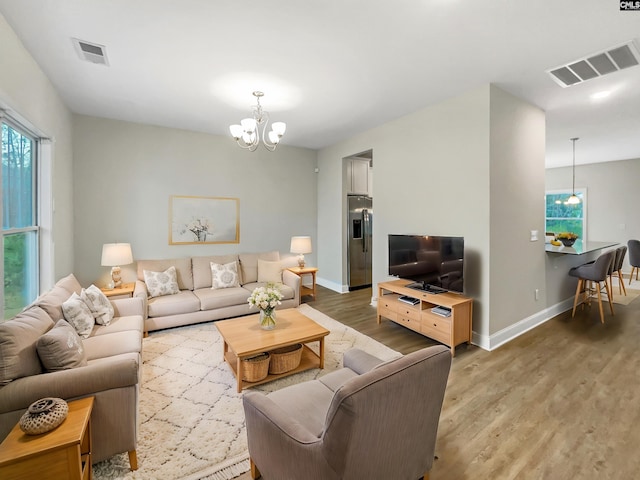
{"x": 596, "y": 65}
{"x": 91, "y": 52}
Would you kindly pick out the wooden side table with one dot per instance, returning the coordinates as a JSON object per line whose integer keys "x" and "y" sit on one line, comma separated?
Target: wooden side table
{"x": 62, "y": 453}
{"x": 301, "y": 271}
{"x": 125, "y": 291}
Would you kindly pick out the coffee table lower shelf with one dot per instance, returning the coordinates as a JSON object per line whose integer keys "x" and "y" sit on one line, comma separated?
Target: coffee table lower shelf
{"x": 308, "y": 361}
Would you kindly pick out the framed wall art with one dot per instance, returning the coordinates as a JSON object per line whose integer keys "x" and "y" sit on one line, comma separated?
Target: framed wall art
{"x": 199, "y": 220}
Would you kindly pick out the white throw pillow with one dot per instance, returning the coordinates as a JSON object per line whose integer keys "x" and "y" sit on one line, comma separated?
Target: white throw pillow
{"x": 224, "y": 276}
{"x": 161, "y": 283}
{"x": 269, "y": 271}
{"x": 98, "y": 303}
{"x": 77, "y": 313}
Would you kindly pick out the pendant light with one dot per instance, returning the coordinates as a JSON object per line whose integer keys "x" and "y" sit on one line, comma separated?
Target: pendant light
{"x": 573, "y": 199}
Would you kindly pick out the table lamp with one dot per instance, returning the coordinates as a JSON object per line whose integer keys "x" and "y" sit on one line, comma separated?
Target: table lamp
{"x": 114, "y": 255}
{"x": 301, "y": 245}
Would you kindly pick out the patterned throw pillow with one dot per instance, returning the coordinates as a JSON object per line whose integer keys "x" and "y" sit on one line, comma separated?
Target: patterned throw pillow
{"x": 98, "y": 303}
{"x": 224, "y": 276}
{"x": 77, "y": 313}
{"x": 61, "y": 348}
{"x": 161, "y": 283}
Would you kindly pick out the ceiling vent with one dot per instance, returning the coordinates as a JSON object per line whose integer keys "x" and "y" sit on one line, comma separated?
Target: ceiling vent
{"x": 596, "y": 65}
{"x": 91, "y": 52}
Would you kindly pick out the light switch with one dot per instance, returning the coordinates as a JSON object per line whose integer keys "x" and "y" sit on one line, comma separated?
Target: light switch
{"x": 534, "y": 235}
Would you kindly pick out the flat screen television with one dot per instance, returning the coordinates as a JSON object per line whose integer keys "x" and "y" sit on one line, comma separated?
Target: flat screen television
{"x": 434, "y": 263}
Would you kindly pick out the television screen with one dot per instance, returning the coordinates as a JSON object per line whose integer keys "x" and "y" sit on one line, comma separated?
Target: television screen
{"x": 430, "y": 261}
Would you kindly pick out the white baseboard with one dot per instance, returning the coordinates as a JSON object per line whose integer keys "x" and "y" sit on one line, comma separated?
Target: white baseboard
{"x": 336, "y": 287}
{"x": 505, "y": 335}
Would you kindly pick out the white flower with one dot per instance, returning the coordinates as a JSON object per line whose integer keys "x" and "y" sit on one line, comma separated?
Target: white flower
{"x": 266, "y": 298}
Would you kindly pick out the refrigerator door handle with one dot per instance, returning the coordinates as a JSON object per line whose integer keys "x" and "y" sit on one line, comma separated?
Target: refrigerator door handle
{"x": 365, "y": 230}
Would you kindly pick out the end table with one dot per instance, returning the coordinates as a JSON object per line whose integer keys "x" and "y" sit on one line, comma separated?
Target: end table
{"x": 63, "y": 453}
{"x": 301, "y": 271}
{"x": 125, "y": 291}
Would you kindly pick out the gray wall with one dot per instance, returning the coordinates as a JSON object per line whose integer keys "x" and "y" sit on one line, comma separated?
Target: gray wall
{"x": 450, "y": 169}
{"x": 26, "y": 92}
{"x": 125, "y": 173}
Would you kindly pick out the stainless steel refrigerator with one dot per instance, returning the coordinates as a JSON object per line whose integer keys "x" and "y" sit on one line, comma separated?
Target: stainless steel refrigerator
{"x": 360, "y": 223}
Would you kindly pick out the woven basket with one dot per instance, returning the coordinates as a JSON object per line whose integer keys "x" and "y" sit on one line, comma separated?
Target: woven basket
{"x": 285, "y": 359}
{"x": 43, "y": 415}
{"x": 255, "y": 368}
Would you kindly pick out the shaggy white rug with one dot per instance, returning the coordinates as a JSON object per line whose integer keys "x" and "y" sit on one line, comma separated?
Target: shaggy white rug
{"x": 191, "y": 417}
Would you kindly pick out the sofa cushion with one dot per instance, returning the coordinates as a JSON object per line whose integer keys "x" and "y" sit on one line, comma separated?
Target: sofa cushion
{"x": 224, "y": 275}
{"x": 249, "y": 264}
{"x": 116, "y": 343}
{"x": 18, "y": 337}
{"x": 202, "y": 268}
{"x": 98, "y": 303}
{"x": 77, "y": 313}
{"x": 183, "y": 302}
{"x": 224, "y": 297}
{"x": 287, "y": 292}
{"x": 61, "y": 348}
{"x": 269, "y": 272}
{"x": 51, "y": 301}
{"x": 183, "y": 270}
{"x": 120, "y": 324}
{"x": 161, "y": 283}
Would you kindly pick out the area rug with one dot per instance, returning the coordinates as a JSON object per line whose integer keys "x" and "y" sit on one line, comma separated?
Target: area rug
{"x": 191, "y": 417}
{"x": 624, "y": 299}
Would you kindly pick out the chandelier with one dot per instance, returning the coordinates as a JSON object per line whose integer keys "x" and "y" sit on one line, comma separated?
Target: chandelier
{"x": 248, "y": 134}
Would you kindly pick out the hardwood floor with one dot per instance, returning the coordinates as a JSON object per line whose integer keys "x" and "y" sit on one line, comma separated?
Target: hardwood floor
{"x": 560, "y": 402}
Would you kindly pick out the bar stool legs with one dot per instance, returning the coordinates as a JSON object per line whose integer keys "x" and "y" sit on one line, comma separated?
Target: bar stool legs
{"x": 585, "y": 287}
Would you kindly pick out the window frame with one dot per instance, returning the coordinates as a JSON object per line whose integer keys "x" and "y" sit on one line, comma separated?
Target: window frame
{"x": 582, "y": 192}
{"x": 35, "y": 274}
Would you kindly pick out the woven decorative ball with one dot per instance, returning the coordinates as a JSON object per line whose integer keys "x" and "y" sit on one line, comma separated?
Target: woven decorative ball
{"x": 43, "y": 415}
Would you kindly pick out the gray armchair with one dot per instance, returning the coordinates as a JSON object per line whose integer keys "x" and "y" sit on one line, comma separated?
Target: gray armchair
{"x": 371, "y": 419}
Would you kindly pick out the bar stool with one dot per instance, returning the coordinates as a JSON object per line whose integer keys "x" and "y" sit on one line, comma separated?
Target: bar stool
{"x": 634, "y": 257}
{"x": 593, "y": 272}
{"x": 616, "y": 270}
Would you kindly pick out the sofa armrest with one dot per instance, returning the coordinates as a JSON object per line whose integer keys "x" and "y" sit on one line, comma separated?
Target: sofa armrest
{"x": 114, "y": 372}
{"x": 292, "y": 280}
{"x": 266, "y": 419}
{"x": 360, "y": 361}
{"x": 140, "y": 291}
{"x": 124, "y": 307}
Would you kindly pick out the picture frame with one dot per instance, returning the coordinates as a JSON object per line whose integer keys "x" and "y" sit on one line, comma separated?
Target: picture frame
{"x": 203, "y": 220}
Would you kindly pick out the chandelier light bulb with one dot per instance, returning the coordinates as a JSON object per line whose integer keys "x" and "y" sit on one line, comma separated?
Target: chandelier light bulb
{"x": 279, "y": 128}
{"x": 236, "y": 131}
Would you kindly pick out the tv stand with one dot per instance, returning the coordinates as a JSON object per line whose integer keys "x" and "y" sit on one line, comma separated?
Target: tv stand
{"x": 450, "y": 330}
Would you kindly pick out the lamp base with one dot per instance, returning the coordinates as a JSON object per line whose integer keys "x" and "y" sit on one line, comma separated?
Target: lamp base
{"x": 301, "y": 261}
{"x": 115, "y": 276}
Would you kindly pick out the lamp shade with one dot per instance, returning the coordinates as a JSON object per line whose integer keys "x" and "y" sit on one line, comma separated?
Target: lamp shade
{"x": 116, "y": 254}
{"x": 301, "y": 245}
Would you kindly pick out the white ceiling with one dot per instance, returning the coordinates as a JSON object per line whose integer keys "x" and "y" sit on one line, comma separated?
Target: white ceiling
{"x": 333, "y": 68}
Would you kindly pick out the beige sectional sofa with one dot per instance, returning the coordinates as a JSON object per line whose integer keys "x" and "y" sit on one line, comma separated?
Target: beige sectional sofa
{"x": 111, "y": 371}
{"x": 197, "y": 302}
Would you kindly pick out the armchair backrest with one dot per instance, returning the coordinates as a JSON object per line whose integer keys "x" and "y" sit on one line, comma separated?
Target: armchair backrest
{"x": 383, "y": 423}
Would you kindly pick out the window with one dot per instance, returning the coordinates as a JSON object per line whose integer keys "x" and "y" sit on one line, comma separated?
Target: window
{"x": 20, "y": 231}
{"x": 563, "y": 217}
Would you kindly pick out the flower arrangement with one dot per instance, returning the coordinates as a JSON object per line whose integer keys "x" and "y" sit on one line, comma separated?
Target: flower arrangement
{"x": 266, "y": 299}
{"x": 200, "y": 227}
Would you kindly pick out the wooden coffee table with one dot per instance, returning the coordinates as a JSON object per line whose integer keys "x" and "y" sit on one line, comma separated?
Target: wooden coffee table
{"x": 244, "y": 338}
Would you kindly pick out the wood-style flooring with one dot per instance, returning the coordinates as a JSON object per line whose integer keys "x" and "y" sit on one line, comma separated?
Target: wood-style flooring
{"x": 561, "y": 401}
